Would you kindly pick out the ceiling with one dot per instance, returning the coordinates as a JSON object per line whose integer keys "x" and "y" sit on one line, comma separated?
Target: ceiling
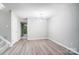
{"x": 24, "y": 10}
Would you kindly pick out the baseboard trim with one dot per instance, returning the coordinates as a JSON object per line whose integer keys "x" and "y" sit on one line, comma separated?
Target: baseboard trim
{"x": 64, "y": 46}
{"x": 13, "y": 43}
{"x": 37, "y": 38}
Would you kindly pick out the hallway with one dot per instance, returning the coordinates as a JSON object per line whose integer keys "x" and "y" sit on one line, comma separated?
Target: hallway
{"x": 37, "y": 47}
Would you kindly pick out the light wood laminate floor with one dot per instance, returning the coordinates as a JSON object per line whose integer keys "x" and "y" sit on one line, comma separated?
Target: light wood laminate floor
{"x": 37, "y": 47}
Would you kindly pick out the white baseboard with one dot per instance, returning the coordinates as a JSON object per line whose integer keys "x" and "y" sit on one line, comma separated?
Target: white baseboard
{"x": 64, "y": 46}
{"x": 13, "y": 43}
{"x": 36, "y": 38}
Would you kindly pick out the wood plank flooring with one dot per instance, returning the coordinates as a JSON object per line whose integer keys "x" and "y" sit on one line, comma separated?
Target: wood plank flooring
{"x": 37, "y": 47}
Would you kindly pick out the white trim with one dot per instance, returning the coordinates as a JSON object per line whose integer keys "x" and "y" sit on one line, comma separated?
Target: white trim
{"x": 2, "y": 49}
{"x": 64, "y": 46}
{"x": 36, "y": 38}
{"x": 14, "y": 43}
{"x": 2, "y": 38}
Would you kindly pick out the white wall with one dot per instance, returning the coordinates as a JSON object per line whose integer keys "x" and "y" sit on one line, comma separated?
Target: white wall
{"x": 64, "y": 25}
{"x": 37, "y": 28}
{"x": 5, "y": 24}
{"x": 15, "y": 28}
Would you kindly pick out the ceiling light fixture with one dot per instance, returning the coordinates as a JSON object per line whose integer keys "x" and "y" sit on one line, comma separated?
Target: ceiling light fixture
{"x": 42, "y": 14}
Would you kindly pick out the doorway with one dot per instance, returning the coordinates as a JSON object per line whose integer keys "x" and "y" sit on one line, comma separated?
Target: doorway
{"x": 23, "y": 30}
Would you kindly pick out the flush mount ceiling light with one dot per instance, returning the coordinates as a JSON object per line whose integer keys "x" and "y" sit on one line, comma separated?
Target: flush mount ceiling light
{"x": 1, "y": 6}
{"x": 42, "y": 14}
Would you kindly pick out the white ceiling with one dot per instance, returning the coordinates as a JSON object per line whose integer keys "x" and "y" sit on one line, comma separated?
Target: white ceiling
{"x": 24, "y": 10}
